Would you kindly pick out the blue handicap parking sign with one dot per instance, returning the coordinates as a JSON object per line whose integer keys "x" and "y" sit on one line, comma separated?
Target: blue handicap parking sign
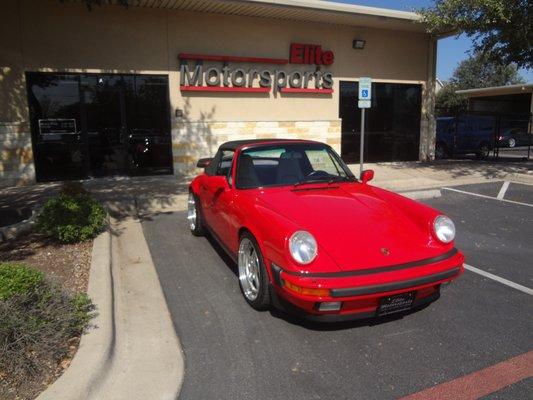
{"x": 365, "y": 89}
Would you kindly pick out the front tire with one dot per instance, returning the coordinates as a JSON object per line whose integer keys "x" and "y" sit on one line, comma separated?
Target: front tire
{"x": 194, "y": 216}
{"x": 253, "y": 277}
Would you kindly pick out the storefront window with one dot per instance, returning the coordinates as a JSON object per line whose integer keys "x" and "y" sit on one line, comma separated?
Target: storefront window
{"x": 392, "y": 124}
{"x": 99, "y": 124}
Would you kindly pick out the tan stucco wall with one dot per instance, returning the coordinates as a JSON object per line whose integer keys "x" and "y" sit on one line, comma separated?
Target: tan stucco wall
{"x": 50, "y": 35}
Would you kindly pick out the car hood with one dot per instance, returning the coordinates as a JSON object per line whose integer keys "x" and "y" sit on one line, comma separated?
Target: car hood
{"x": 353, "y": 225}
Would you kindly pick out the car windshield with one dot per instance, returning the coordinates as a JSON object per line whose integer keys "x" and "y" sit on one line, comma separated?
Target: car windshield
{"x": 290, "y": 164}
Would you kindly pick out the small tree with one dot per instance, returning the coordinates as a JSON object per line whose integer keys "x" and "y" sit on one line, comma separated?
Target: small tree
{"x": 448, "y": 102}
{"x": 477, "y": 71}
{"x": 502, "y": 29}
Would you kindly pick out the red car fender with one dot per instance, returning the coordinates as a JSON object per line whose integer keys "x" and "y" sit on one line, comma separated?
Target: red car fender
{"x": 195, "y": 185}
{"x": 253, "y": 222}
{"x": 272, "y": 232}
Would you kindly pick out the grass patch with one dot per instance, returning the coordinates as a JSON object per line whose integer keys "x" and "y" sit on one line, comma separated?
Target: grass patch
{"x": 38, "y": 321}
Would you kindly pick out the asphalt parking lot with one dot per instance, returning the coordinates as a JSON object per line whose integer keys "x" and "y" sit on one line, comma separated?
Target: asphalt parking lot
{"x": 481, "y": 320}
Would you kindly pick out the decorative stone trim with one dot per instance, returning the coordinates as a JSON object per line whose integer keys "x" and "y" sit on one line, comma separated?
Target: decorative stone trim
{"x": 195, "y": 139}
{"x": 16, "y": 154}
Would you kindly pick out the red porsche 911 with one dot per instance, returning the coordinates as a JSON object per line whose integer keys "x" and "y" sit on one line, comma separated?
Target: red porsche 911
{"x": 310, "y": 238}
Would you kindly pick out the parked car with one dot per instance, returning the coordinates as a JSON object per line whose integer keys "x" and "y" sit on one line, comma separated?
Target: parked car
{"x": 464, "y": 135}
{"x": 310, "y": 238}
{"x": 515, "y": 137}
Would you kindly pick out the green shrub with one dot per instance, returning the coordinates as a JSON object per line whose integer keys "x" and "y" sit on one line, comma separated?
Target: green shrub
{"x": 71, "y": 218}
{"x": 18, "y": 279}
{"x": 37, "y": 322}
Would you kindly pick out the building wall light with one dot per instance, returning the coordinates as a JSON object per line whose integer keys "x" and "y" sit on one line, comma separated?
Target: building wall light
{"x": 358, "y": 44}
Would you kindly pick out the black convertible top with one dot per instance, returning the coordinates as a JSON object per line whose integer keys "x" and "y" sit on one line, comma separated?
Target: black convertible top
{"x": 234, "y": 144}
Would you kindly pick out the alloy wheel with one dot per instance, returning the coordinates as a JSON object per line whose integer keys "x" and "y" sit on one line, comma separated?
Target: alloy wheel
{"x": 191, "y": 212}
{"x": 249, "y": 269}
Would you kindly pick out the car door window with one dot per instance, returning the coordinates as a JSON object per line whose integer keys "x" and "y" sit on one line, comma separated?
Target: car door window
{"x": 224, "y": 164}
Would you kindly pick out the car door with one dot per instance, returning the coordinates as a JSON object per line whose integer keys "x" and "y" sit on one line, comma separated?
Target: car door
{"x": 463, "y": 135}
{"x": 214, "y": 194}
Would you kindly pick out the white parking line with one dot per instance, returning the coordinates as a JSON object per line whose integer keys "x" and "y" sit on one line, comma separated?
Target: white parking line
{"x": 499, "y": 279}
{"x": 502, "y": 191}
{"x": 487, "y": 197}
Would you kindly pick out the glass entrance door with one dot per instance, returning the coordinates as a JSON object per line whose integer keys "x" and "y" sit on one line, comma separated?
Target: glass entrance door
{"x": 58, "y": 143}
{"x": 104, "y": 113}
{"x": 392, "y": 124}
{"x": 93, "y": 125}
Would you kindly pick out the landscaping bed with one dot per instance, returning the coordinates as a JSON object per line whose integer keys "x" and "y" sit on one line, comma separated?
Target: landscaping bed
{"x": 44, "y": 308}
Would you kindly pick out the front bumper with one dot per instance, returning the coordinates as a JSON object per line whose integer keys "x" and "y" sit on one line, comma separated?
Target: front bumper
{"x": 360, "y": 295}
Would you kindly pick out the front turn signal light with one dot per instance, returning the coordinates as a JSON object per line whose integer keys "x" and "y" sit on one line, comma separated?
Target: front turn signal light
{"x": 306, "y": 291}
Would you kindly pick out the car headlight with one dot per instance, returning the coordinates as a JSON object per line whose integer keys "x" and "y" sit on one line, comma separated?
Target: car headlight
{"x": 444, "y": 229}
{"x": 303, "y": 247}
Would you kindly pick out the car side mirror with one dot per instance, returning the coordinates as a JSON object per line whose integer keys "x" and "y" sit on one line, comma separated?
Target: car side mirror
{"x": 220, "y": 182}
{"x": 367, "y": 175}
{"x": 203, "y": 162}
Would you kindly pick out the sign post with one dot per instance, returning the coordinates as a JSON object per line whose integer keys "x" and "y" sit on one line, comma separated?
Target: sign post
{"x": 365, "y": 95}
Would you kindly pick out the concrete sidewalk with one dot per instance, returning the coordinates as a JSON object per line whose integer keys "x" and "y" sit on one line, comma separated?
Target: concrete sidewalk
{"x": 411, "y": 176}
{"x": 396, "y": 176}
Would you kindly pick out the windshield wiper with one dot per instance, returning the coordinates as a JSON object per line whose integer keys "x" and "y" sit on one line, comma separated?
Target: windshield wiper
{"x": 342, "y": 179}
{"x": 326, "y": 179}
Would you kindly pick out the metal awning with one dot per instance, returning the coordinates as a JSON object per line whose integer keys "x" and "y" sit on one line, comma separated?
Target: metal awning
{"x": 298, "y": 10}
{"x": 497, "y": 90}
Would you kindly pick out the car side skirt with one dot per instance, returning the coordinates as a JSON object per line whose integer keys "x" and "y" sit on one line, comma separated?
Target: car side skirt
{"x": 231, "y": 254}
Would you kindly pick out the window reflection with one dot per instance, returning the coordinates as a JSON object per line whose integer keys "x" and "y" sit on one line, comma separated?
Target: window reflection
{"x": 99, "y": 124}
{"x": 392, "y": 124}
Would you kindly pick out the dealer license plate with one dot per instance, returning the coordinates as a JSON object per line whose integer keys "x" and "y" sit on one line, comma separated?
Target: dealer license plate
{"x": 395, "y": 304}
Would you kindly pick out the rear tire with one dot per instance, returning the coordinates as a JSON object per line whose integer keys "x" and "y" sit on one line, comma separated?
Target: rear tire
{"x": 253, "y": 276}
{"x": 194, "y": 215}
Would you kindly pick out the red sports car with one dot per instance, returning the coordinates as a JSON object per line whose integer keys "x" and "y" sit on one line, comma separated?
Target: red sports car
{"x": 309, "y": 237}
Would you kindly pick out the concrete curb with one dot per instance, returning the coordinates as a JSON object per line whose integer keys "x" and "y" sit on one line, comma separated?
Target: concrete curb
{"x": 158, "y": 204}
{"x": 422, "y": 194}
{"x": 147, "y": 359}
{"x": 521, "y": 178}
{"x": 92, "y": 359}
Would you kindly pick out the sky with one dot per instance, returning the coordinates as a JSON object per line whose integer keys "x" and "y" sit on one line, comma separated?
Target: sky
{"x": 451, "y": 50}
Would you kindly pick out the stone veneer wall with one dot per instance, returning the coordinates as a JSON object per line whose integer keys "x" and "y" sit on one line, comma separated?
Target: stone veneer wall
{"x": 193, "y": 140}
{"x": 190, "y": 141}
{"x": 16, "y": 155}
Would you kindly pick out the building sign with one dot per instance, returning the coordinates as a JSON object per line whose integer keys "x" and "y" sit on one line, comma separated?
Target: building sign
{"x": 310, "y": 54}
{"x": 255, "y": 79}
{"x": 57, "y": 126}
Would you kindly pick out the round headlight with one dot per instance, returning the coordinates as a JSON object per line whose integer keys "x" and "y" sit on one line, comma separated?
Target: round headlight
{"x": 303, "y": 247}
{"x": 444, "y": 229}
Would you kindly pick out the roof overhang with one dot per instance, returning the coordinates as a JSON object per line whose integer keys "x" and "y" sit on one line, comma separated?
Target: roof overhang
{"x": 497, "y": 90}
{"x": 299, "y": 10}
